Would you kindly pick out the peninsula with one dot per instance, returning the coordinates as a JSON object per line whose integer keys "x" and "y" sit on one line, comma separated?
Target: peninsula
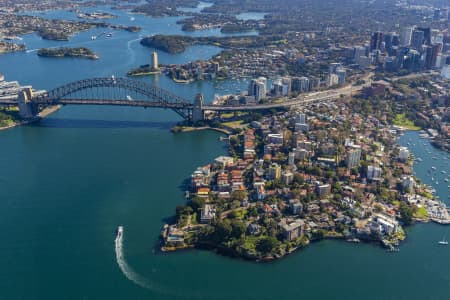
{"x": 6, "y": 47}
{"x": 178, "y": 43}
{"x": 332, "y": 170}
{"x": 144, "y": 70}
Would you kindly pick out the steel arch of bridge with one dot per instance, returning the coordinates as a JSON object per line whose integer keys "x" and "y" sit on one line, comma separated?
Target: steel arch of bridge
{"x": 157, "y": 97}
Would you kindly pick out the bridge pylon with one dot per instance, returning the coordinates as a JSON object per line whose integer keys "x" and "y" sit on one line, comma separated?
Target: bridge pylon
{"x": 198, "y": 113}
{"x": 27, "y": 108}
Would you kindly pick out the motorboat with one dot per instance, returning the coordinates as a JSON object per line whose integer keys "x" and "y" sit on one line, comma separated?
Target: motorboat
{"x": 119, "y": 232}
{"x": 443, "y": 241}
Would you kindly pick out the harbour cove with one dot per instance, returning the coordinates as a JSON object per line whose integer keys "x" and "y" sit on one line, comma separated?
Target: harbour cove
{"x": 73, "y": 228}
{"x": 70, "y": 180}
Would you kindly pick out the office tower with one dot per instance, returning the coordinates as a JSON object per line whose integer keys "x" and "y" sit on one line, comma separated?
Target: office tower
{"x": 427, "y": 34}
{"x": 395, "y": 40}
{"x": 277, "y": 88}
{"x": 333, "y": 80}
{"x": 300, "y": 84}
{"x": 431, "y": 54}
{"x": 305, "y": 85}
{"x": 287, "y": 85}
{"x": 257, "y": 88}
{"x": 388, "y": 41}
{"x": 437, "y": 15}
{"x": 314, "y": 83}
{"x": 417, "y": 39}
{"x": 376, "y": 40}
{"x": 341, "y": 73}
{"x": 334, "y": 66}
{"x": 405, "y": 36}
{"x": 359, "y": 51}
{"x": 412, "y": 61}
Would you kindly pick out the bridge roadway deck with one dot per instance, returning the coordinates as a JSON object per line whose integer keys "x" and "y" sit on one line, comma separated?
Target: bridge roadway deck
{"x": 153, "y": 104}
{"x": 174, "y": 105}
{"x": 136, "y": 103}
{"x": 285, "y": 104}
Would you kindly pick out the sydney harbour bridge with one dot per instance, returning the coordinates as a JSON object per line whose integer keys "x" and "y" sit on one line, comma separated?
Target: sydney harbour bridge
{"x": 132, "y": 93}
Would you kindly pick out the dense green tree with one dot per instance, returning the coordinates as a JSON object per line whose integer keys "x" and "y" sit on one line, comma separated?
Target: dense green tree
{"x": 267, "y": 244}
{"x": 406, "y": 213}
{"x": 238, "y": 195}
{"x": 238, "y": 228}
{"x": 252, "y": 211}
{"x": 223, "y": 230}
{"x": 298, "y": 178}
{"x": 196, "y": 203}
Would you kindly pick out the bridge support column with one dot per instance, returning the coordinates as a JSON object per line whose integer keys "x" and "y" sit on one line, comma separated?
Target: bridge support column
{"x": 197, "y": 113}
{"x": 27, "y": 109}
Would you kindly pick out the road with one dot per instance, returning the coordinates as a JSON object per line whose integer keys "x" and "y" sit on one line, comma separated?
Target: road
{"x": 302, "y": 99}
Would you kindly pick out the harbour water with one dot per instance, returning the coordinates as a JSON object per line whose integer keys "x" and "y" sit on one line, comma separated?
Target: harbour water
{"x": 69, "y": 181}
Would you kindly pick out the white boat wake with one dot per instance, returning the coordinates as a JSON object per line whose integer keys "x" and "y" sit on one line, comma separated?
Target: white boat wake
{"x": 143, "y": 282}
{"x": 131, "y": 53}
{"x": 125, "y": 268}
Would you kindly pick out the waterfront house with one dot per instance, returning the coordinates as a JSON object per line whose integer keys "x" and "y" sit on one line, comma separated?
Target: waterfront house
{"x": 223, "y": 184}
{"x": 208, "y": 213}
{"x": 292, "y": 229}
{"x": 224, "y": 161}
{"x": 203, "y": 192}
{"x": 388, "y": 224}
{"x": 253, "y": 229}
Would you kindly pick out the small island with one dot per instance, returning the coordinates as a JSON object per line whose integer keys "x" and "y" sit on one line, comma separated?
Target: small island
{"x": 67, "y": 52}
{"x": 95, "y": 15}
